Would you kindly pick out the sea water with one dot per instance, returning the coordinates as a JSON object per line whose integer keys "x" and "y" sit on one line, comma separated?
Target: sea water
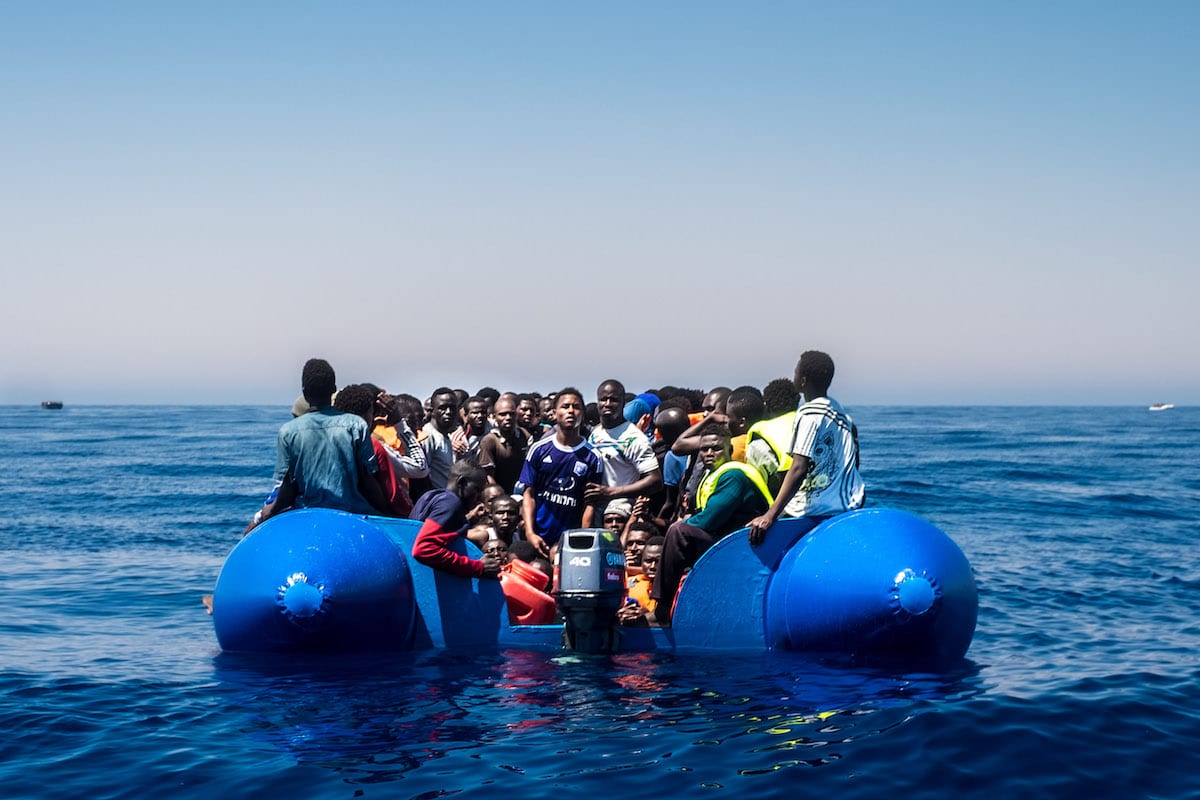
{"x": 1083, "y": 678}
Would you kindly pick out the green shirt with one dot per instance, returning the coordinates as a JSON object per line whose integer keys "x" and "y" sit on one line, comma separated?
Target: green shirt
{"x": 735, "y": 500}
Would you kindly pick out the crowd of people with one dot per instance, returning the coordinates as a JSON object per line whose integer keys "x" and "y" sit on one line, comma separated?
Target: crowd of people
{"x": 670, "y": 471}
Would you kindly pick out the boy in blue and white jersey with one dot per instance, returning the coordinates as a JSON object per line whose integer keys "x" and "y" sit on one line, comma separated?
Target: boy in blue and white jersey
{"x": 556, "y": 471}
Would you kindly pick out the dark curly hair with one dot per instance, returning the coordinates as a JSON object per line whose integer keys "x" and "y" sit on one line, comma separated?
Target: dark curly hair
{"x": 718, "y": 430}
{"x": 357, "y": 398}
{"x": 780, "y": 396}
{"x": 318, "y": 382}
{"x": 816, "y": 368}
{"x": 748, "y": 401}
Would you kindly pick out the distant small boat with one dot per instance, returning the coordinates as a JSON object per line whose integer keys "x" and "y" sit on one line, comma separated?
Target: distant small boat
{"x": 52, "y": 404}
{"x": 1162, "y": 406}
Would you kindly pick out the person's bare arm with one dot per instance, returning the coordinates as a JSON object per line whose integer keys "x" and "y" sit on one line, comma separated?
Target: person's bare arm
{"x": 647, "y": 484}
{"x": 791, "y": 482}
{"x": 285, "y": 496}
{"x": 528, "y": 510}
{"x": 689, "y": 441}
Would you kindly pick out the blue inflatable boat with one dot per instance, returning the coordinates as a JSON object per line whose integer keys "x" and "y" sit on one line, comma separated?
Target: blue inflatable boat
{"x": 873, "y": 582}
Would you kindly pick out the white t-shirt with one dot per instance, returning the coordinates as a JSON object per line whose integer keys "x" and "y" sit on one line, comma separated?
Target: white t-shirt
{"x": 625, "y": 451}
{"x": 825, "y": 435}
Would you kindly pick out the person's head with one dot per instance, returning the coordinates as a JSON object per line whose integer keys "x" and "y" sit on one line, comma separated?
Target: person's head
{"x": 490, "y": 395}
{"x": 443, "y": 411}
{"x": 509, "y": 396}
{"x": 357, "y": 399}
{"x": 635, "y": 542}
{"x": 610, "y": 402}
{"x": 387, "y": 408}
{"x": 497, "y": 548}
{"x": 491, "y": 493}
{"x": 317, "y": 382}
{"x": 637, "y": 412}
{"x": 671, "y": 421}
{"x": 616, "y": 514}
{"x": 300, "y": 407}
{"x": 467, "y": 480}
{"x": 715, "y": 400}
{"x": 568, "y": 409}
{"x": 814, "y": 373}
{"x": 714, "y": 446}
{"x": 652, "y": 556}
{"x": 523, "y": 550}
{"x": 476, "y": 415}
{"x": 779, "y": 397}
{"x": 505, "y": 414}
{"x": 744, "y": 407}
{"x": 506, "y": 515}
{"x": 650, "y": 397}
{"x": 528, "y": 414}
{"x": 546, "y": 408}
{"x": 411, "y": 411}
{"x": 543, "y": 565}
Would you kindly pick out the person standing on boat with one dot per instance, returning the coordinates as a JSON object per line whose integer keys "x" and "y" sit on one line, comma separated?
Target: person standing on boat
{"x": 555, "y": 473}
{"x": 439, "y": 451}
{"x": 324, "y": 459}
{"x": 529, "y": 417}
{"x": 670, "y": 422}
{"x": 823, "y": 479}
{"x": 475, "y": 425}
{"x": 630, "y": 467}
{"x": 730, "y": 495}
{"x": 362, "y": 399}
{"x": 400, "y": 450}
{"x": 502, "y": 450}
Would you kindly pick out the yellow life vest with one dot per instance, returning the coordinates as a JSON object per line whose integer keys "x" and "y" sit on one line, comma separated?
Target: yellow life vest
{"x": 710, "y": 482}
{"x": 777, "y": 432}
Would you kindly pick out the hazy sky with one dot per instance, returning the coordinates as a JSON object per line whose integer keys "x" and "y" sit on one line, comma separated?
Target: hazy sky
{"x": 961, "y": 202}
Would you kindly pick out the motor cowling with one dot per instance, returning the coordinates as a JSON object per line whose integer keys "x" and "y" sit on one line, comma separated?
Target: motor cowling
{"x": 591, "y": 587}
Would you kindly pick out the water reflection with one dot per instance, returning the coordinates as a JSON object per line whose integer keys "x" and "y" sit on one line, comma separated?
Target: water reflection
{"x": 450, "y": 722}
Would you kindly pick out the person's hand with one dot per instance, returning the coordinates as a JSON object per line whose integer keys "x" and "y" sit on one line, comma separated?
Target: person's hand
{"x": 716, "y": 418}
{"x": 595, "y": 492}
{"x": 539, "y": 543}
{"x": 641, "y": 508}
{"x": 459, "y": 443}
{"x": 386, "y": 412}
{"x": 759, "y": 527}
{"x": 491, "y": 566}
{"x": 631, "y": 612}
{"x": 255, "y": 521}
{"x": 477, "y": 513}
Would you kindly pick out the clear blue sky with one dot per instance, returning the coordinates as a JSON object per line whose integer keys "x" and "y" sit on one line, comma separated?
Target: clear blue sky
{"x": 961, "y": 202}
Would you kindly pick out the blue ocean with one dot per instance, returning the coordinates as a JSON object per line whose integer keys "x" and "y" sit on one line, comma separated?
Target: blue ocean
{"x": 1083, "y": 679}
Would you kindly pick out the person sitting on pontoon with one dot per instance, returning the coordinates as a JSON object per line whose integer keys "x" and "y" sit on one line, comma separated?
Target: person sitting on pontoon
{"x": 730, "y": 495}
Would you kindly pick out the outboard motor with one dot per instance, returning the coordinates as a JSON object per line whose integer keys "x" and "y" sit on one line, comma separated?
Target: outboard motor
{"x": 591, "y": 587}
